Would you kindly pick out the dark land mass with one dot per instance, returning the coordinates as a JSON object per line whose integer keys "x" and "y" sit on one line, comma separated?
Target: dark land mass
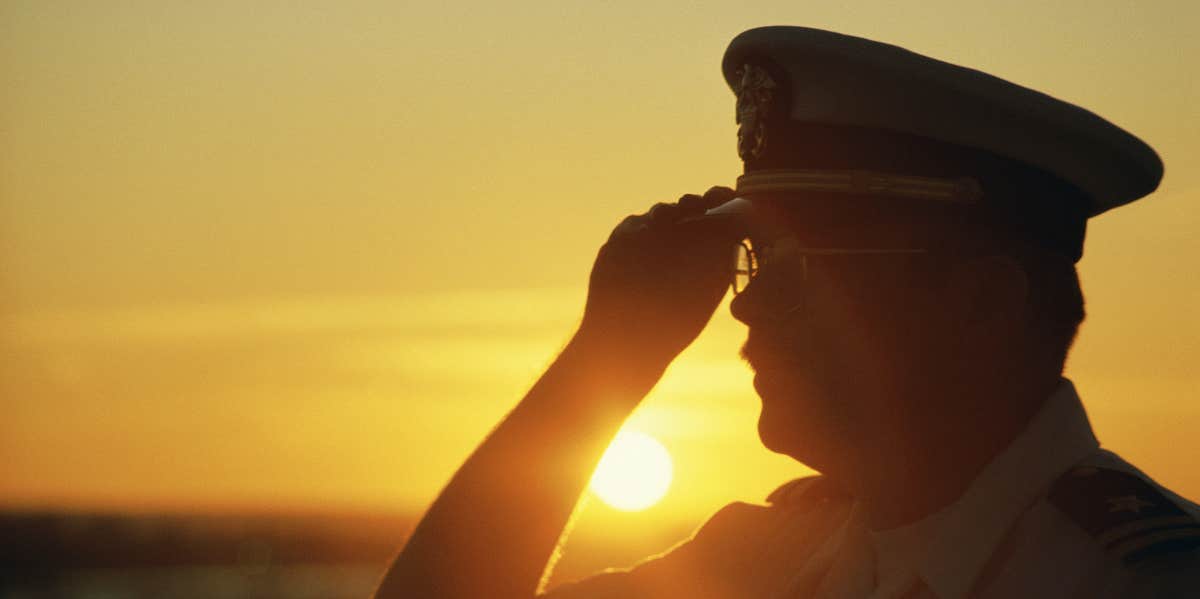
{"x": 56, "y": 554}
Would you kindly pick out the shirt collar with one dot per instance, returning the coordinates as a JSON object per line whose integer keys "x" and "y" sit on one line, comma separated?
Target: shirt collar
{"x": 949, "y": 548}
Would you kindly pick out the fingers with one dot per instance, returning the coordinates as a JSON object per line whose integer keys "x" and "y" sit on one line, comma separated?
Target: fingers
{"x": 717, "y": 195}
{"x": 694, "y": 205}
{"x": 690, "y": 205}
{"x": 661, "y": 215}
{"x": 631, "y": 224}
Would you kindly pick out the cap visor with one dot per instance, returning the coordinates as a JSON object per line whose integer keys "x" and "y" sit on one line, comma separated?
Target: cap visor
{"x": 731, "y": 219}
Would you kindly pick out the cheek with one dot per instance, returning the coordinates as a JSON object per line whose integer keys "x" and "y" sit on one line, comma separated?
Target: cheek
{"x": 847, "y": 333}
{"x": 864, "y": 348}
{"x": 800, "y": 418}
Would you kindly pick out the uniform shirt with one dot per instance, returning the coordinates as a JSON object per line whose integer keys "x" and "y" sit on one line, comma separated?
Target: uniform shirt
{"x": 1052, "y": 515}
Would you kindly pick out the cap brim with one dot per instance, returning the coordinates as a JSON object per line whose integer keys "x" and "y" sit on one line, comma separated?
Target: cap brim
{"x": 730, "y": 219}
{"x": 737, "y": 207}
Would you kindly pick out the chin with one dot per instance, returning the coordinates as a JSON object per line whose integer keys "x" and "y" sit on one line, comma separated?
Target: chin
{"x": 780, "y": 423}
{"x": 775, "y": 438}
{"x": 803, "y": 423}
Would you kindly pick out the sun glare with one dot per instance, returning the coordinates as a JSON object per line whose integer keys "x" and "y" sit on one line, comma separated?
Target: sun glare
{"x": 634, "y": 473}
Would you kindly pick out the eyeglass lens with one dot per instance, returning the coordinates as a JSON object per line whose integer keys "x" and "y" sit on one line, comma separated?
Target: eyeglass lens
{"x": 745, "y": 265}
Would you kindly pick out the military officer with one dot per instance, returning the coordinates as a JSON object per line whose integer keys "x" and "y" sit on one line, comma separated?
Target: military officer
{"x": 906, "y": 233}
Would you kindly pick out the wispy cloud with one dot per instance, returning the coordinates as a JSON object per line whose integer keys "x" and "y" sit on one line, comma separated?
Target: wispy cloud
{"x": 399, "y": 387}
{"x": 478, "y": 310}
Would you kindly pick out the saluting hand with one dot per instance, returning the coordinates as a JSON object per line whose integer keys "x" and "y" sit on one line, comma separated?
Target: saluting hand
{"x": 656, "y": 282}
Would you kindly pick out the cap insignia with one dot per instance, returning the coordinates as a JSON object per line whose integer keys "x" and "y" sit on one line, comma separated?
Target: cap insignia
{"x": 755, "y": 94}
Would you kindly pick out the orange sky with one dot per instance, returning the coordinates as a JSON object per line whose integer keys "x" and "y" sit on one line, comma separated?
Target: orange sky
{"x": 306, "y": 254}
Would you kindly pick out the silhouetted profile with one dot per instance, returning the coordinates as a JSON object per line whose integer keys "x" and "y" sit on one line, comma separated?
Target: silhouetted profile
{"x": 906, "y": 234}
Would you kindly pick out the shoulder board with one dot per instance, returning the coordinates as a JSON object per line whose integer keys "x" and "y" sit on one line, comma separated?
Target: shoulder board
{"x": 1130, "y": 518}
{"x": 800, "y": 490}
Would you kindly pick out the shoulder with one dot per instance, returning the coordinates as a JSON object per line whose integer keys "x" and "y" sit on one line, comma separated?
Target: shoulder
{"x": 741, "y": 547}
{"x": 796, "y": 495}
{"x": 806, "y": 493}
{"x": 1138, "y": 525}
{"x": 754, "y": 522}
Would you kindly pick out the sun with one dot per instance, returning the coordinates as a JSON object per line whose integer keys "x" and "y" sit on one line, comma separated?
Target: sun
{"x": 634, "y": 473}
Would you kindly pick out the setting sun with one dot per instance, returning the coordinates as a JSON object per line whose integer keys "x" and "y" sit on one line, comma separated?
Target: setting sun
{"x": 634, "y": 473}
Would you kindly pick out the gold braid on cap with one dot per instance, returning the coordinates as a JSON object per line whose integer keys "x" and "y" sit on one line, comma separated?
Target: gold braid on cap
{"x": 958, "y": 191}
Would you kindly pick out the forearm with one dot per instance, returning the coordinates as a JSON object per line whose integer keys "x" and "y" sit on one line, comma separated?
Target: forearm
{"x": 495, "y": 525}
{"x": 652, "y": 289}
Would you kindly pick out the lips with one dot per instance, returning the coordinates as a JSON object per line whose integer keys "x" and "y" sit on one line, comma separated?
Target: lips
{"x": 765, "y": 355}
{"x": 772, "y": 372}
{"x": 773, "y": 383}
{"x": 774, "y": 367}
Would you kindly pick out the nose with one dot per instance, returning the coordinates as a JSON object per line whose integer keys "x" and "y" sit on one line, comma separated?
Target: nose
{"x": 750, "y": 306}
{"x": 769, "y": 299}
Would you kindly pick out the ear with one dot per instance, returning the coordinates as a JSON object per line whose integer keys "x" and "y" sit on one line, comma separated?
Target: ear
{"x": 996, "y": 290}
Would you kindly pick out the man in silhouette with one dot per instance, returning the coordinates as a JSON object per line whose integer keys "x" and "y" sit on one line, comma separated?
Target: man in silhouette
{"x": 906, "y": 233}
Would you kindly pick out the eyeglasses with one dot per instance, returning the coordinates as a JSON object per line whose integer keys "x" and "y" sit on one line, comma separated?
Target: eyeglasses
{"x": 748, "y": 261}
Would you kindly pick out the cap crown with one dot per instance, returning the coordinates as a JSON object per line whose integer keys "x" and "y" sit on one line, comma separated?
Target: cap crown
{"x": 809, "y": 98}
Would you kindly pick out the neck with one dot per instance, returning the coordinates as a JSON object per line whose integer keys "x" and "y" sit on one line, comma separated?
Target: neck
{"x": 930, "y": 462}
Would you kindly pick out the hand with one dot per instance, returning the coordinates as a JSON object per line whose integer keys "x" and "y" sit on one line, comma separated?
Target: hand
{"x": 656, "y": 283}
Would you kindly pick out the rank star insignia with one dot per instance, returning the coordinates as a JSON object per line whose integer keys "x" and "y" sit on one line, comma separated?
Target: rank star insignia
{"x": 1127, "y": 503}
{"x": 755, "y": 94}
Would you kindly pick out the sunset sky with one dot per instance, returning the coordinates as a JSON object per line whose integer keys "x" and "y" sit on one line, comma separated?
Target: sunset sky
{"x": 301, "y": 255}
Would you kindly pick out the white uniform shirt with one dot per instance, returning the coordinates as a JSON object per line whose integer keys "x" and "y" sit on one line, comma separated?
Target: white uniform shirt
{"x": 1052, "y": 515}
